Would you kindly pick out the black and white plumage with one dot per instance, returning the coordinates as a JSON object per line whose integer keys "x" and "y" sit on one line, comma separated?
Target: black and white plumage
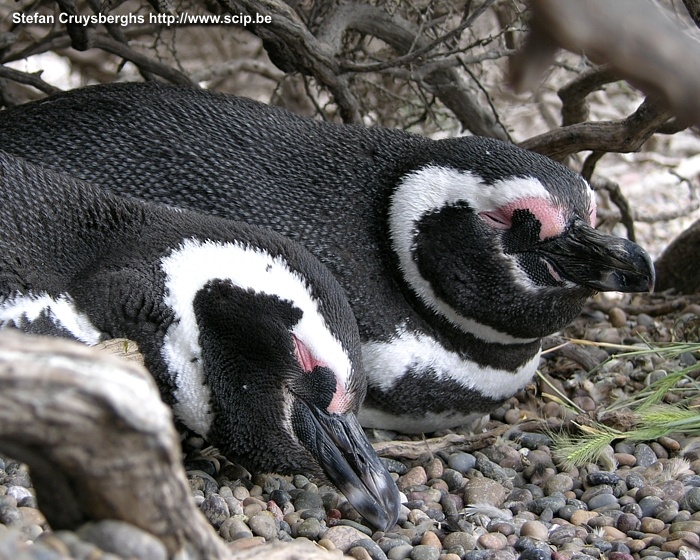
{"x": 249, "y": 337}
{"x": 457, "y": 255}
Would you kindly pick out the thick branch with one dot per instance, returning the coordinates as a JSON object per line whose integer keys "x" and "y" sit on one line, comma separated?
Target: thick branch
{"x": 649, "y": 50}
{"x": 99, "y": 442}
{"x": 626, "y": 135}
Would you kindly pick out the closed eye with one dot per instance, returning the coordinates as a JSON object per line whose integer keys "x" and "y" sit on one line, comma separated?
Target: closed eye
{"x": 496, "y": 219}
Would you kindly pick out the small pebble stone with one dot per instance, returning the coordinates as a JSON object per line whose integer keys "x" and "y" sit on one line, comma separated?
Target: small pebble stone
{"x": 400, "y": 552}
{"x": 414, "y": 477}
{"x": 581, "y": 517}
{"x": 264, "y": 525}
{"x": 124, "y": 539}
{"x": 645, "y": 455}
{"x": 461, "y": 462}
{"x": 484, "y": 491}
{"x": 493, "y": 541}
{"x": 617, "y": 317}
{"x": 424, "y": 552}
{"x": 534, "y": 529}
{"x": 343, "y": 536}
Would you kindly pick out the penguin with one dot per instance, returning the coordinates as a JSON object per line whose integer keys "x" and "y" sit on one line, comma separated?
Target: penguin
{"x": 249, "y": 337}
{"x": 457, "y": 255}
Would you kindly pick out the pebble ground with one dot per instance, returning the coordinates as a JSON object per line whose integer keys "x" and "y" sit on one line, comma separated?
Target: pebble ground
{"x": 505, "y": 502}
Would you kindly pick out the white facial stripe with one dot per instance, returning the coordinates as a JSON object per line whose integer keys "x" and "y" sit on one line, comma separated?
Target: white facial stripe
{"x": 408, "y": 350}
{"x": 61, "y": 311}
{"x": 430, "y": 189}
{"x": 194, "y": 264}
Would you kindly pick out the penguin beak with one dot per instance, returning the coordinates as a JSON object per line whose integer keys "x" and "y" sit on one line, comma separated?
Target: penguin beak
{"x": 339, "y": 444}
{"x": 603, "y": 262}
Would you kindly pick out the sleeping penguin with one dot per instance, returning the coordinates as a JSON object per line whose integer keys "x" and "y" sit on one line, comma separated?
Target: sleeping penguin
{"x": 457, "y": 255}
{"x": 248, "y": 336}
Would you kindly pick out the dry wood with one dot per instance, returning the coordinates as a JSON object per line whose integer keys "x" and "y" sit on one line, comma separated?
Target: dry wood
{"x": 626, "y": 135}
{"x": 639, "y": 42}
{"x": 99, "y": 442}
{"x": 449, "y": 443}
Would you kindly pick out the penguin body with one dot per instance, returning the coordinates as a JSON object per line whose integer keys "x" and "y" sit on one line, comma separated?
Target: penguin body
{"x": 457, "y": 255}
{"x": 249, "y": 337}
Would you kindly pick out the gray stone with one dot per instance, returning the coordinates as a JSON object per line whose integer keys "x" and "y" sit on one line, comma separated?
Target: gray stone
{"x": 425, "y": 552}
{"x": 264, "y": 525}
{"x": 375, "y": 552}
{"x": 461, "y": 462}
{"x": 307, "y": 500}
{"x": 645, "y": 455}
{"x": 554, "y": 502}
{"x": 691, "y": 499}
{"x": 601, "y": 500}
{"x": 215, "y": 508}
{"x": 483, "y": 490}
{"x": 123, "y": 539}
{"x": 400, "y": 552}
{"x": 309, "y": 528}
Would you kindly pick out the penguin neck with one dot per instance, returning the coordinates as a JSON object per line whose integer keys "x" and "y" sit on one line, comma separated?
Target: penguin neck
{"x": 508, "y": 356}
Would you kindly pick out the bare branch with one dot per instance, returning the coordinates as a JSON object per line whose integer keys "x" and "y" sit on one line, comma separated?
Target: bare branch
{"x": 573, "y": 96}
{"x": 33, "y": 79}
{"x": 647, "y": 50}
{"x": 619, "y": 199}
{"x": 625, "y": 135}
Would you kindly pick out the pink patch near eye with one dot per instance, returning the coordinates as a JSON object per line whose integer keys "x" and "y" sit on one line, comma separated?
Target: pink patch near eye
{"x": 341, "y": 401}
{"x": 593, "y": 213}
{"x": 306, "y": 359}
{"x": 551, "y": 217}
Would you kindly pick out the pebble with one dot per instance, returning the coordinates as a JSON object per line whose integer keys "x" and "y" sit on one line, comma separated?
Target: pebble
{"x": 534, "y": 529}
{"x": 645, "y": 455}
{"x": 425, "y": 552}
{"x": 461, "y": 462}
{"x": 371, "y": 548}
{"x": 124, "y": 539}
{"x": 264, "y": 525}
{"x": 582, "y": 517}
{"x": 343, "y": 536}
{"x": 493, "y": 541}
{"x": 414, "y": 477}
{"x": 482, "y": 490}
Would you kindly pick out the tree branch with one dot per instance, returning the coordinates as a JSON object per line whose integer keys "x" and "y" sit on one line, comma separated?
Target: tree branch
{"x": 626, "y": 135}
{"x": 649, "y": 50}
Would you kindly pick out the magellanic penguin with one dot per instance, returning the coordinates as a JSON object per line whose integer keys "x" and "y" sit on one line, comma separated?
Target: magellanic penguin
{"x": 457, "y": 255}
{"x": 249, "y": 337}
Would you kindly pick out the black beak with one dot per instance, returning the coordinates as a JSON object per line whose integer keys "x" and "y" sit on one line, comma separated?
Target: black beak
{"x": 340, "y": 446}
{"x": 603, "y": 262}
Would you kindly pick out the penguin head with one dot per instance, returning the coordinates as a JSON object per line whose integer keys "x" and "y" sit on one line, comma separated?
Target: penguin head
{"x": 264, "y": 356}
{"x": 501, "y": 241}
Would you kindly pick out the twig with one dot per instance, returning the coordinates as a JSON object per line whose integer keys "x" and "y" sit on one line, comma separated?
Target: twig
{"x": 448, "y": 443}
{"x": 33, "y": 79}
